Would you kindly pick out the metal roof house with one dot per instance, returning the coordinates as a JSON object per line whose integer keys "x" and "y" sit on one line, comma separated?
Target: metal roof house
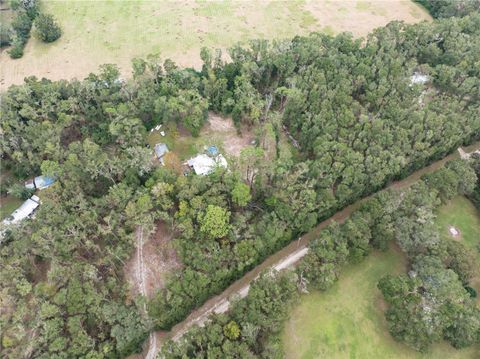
{"x": 418, "y": 78}
{"x": 203, "y": 164}
{"x": 40, "y": 182}
{"x": 25, "y": 210}
{"x": 160, "y": 150}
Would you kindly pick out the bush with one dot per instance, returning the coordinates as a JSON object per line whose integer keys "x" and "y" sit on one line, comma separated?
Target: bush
{"x": 471, "y": 291}
{"x": 31, "y": 7}
{"x": 47, "y": 28}
{"x": 20, "y": 191}
{"x": 22, "y": 25}
{"x": 17, "y": 49}
{"x": 5, "y": 35}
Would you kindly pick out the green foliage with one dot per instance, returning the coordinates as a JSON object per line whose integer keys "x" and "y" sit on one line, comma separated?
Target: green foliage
{"x": 247, "y": 331}
{"x": 241, "y": 194}
{"x": 25, "y": 13}
{"x": 231, "y": 330}
{"x": 475, "y": 195}
{"x": 21, "y": 25}
{"x": 5, "y": 35}
{"x": 128, "y": 329}
{"x": 17, "y": 49}
{"x": 215, "y": 222}
{"x": 432, "y": 302}
{"x": 20, "y": 191}
{"x": 428, "y": 305}
{"x": 47, "y": 28}
{"x": 328, "y": 253}
{"x": 346, "y": 105}
{"x": 448, "y": 8}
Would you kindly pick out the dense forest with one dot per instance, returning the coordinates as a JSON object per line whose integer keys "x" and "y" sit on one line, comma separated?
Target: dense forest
{"x": 360, "y": 119}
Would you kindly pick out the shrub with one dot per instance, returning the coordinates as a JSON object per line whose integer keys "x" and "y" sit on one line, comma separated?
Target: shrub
{"x": 17, "y": 49}
{"x": 22, "y": 25}
{"x": 31, "y": 7}
{"x": 20, "y": 191}
{"x": 47, "y": 28}
{"x": 5, "y": 35}
{"x": 471, "y": 291}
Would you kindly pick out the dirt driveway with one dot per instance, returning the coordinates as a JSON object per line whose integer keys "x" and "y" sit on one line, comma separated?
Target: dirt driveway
{"x": 148, "y": 268}
{"x": 222, "y": 130}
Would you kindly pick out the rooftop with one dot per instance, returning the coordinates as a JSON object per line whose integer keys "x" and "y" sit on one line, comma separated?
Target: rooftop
{"x": 24, "y": 211}
{"x": 160, "y": 150}
{"x": 203, "y": 164}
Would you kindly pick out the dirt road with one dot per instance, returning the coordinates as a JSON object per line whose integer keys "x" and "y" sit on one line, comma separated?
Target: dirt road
{"x": 289, "y": 255}
{"x": 140, "y": 274}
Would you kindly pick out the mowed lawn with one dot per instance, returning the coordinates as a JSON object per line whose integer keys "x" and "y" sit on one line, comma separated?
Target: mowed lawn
{"x": 97, "y": 32}
{"x": 347, "y": 321}
{"x": 461, "y": 214}
{"x": 8, "y": 204}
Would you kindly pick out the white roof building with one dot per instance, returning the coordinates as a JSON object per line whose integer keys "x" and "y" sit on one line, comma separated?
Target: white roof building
{"x": 203, "y": 164}
{"x": 418, "y": 78}
{"x": 24, "y": 211}
{"x": 160, "y": 150}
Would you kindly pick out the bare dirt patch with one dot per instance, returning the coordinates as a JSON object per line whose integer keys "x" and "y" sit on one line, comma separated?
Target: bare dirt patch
{"x": 360, "y": 17}
{"x": 222, "y": 131}
{"x": 159, "y": 259}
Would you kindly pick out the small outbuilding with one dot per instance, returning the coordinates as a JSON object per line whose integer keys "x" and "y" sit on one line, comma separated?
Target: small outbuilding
{"x": 40, "y": 182}
{"x": 160, "y": 150}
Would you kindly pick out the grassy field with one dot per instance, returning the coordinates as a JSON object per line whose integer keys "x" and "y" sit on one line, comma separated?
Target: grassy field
{"x": 461, "y": 214}
{"x": 347, "y": 321}
{"x": 8, "y": 204}
{"x": 217, "y": 131}
{"x": 97, "y": 32}
{"x": 183, "y": 146}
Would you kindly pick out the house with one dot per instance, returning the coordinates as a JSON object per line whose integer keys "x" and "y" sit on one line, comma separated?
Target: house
{"x": 40, "y": 182}
{"x": 25, "y": 210}
{"x": 203, "y": 164}
{"x": 160, "y": 150}
{"x": 418, "y": 78}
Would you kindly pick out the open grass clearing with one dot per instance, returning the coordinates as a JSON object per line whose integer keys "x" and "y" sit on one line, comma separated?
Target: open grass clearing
{"x": 97, "y": 32}
{"x": 8, "y": 204}
{"x": 159, "y": 260}
{"x": 218, "y": 131}
{"x": 461, "y": 214}
{"x": 347, "y": 321}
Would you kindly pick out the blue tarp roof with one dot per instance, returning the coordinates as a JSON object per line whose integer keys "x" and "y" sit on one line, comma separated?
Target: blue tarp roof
{"x": 42, "y": 182}
{"x": 212, "y": 150}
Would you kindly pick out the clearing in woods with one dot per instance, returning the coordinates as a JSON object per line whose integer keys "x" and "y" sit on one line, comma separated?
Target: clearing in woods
{"x": 347, "y": 320}
{"x": 152, "y": 261}
{"x": 99, "y": 32}
{"x": 462, "y": 215}
{"x": 218, "y": 131}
